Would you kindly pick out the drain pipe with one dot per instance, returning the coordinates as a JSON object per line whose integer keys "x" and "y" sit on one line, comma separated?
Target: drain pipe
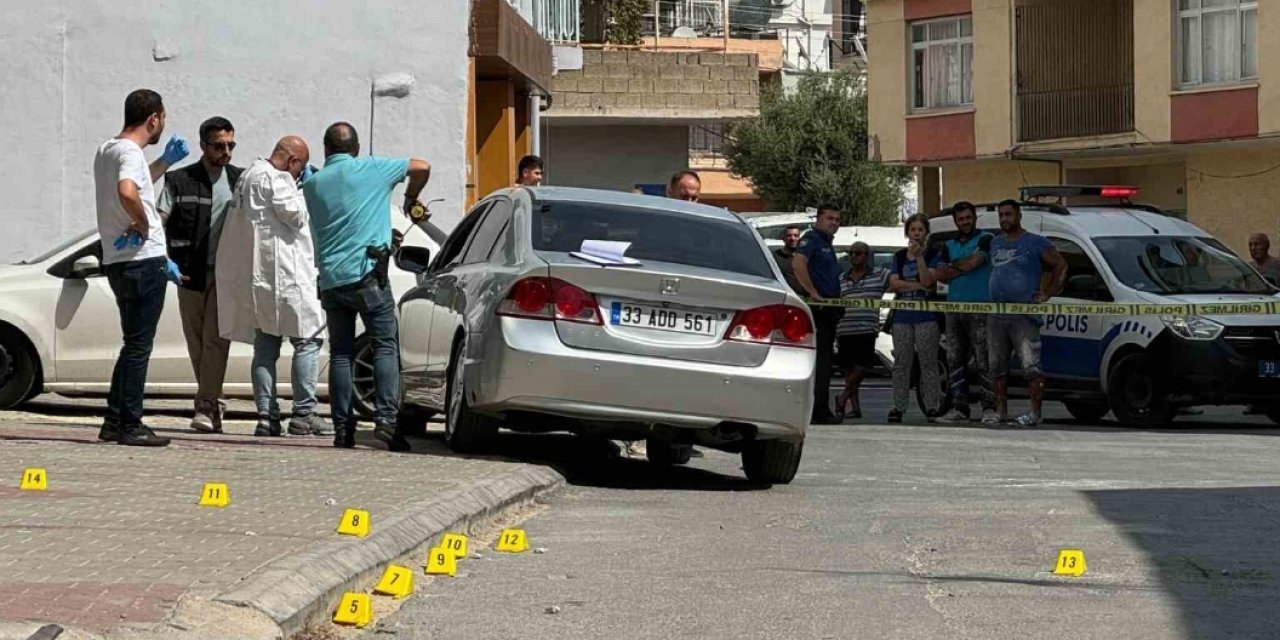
{"x": 535, "y": 124}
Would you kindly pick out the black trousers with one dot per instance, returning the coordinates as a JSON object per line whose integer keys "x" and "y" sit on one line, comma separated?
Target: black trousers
{"x": 825, "y": 320}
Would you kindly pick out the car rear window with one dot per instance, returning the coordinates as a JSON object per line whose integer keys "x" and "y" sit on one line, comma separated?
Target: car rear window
{"x": 665, "y": 236}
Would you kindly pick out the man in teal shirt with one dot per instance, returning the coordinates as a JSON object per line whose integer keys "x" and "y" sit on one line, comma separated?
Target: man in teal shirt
{"x": 348, "y": 201}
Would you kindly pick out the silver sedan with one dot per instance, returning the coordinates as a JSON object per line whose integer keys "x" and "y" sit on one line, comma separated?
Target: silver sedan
{"x": 611, "y": 314}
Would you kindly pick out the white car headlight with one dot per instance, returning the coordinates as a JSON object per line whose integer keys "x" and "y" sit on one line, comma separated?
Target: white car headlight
{"x": 1192, "y": 327}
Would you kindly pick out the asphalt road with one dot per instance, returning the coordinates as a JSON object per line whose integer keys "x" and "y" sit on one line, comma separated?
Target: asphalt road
{"x": 903, "y": 531}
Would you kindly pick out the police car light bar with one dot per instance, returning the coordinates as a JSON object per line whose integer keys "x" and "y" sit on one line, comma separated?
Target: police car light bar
{"x": 1066, "y": 191}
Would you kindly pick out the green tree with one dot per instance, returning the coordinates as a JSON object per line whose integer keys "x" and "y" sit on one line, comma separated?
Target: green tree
{"x": 625, "y": 18}
{"x": 809, "y": 147}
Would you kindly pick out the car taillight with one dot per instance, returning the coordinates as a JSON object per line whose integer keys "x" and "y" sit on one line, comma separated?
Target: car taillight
{"x": 779, "y": 324}
{"x": 550, "y": 299}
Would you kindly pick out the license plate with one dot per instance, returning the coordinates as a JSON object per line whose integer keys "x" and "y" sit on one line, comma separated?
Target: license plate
{"x": 1269, "y": 369}
{"x": 637, "y": 315}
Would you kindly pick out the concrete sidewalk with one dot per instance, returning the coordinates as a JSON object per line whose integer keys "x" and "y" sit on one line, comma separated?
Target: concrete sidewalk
{"x": 118, "y": 548}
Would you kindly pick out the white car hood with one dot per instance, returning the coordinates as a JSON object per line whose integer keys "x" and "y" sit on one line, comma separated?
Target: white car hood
{"x": 1261, "y": 320}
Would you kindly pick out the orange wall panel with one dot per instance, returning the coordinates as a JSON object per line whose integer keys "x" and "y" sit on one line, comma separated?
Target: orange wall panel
{"x": 1214, "y": 115}
{"x": 943, "y": 137}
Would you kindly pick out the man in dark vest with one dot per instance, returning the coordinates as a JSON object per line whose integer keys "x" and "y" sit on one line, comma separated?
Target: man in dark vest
{"x": 194, "y": 203}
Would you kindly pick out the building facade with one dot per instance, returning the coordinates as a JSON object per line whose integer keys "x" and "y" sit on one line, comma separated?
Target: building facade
{"x": 1173, "y": 96}
{"x": 400, "y": 71}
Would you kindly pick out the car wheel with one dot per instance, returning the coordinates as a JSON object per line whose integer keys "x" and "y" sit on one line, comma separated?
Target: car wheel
{"x": 1273, "y": 414}
{"x": 1087, "y": 412}
{"x": 412, "y": 420}
{"x": 771, "y": 461}
{"x": 944, "y": 393}
{"x": 464, "y": 430}
{"x": 1137, "y": 394}
{"x": 18, "y": 369}
{"x": 362, "y": 386}
{"x": 666, "y": 454}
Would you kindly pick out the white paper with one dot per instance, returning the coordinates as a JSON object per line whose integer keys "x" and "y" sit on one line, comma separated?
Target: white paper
{"x": 605, "y": 252}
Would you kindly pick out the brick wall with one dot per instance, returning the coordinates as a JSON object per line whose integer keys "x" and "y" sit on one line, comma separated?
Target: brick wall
{"x": 659, "y": 84}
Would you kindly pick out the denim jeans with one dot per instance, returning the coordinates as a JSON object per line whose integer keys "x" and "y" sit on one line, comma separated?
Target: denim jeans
{"x": 306, "y": 355}
{"x": 376, "y": 307}
{"x": 139, "y": 288}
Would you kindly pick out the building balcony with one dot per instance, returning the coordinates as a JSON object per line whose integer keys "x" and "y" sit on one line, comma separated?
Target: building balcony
{"x": 1075, "y": 113}
{"x": 557, "y": 21}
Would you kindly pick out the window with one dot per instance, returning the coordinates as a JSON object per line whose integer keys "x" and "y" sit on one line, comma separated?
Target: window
{"x": 1217, "y": 41}
{"x": 488, "y": 233}
{"x": 851, "y": 17}
{"x": 451, "y": 253}
{"x": 1083, "y": 280}
{"x": 1186, "y": 265}
{"x": 942, "y": 63}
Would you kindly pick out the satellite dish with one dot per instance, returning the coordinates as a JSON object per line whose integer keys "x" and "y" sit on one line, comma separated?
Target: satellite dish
{"x": 684, "y": 32}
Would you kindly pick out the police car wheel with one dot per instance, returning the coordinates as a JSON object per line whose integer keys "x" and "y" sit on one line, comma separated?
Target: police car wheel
{"x": 1138, "y": 395}
{"x": 1273, "y": 414}
{"x": 1087, "y": 412}
{"x": 944, "y": 399}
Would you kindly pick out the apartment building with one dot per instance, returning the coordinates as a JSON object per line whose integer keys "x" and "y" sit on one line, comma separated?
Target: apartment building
{"x": 1178, "y": 97}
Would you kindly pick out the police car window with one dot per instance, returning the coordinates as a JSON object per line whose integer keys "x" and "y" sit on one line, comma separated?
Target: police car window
{"x": 1083, "y": 280}
{"x": 1179, "y": 265}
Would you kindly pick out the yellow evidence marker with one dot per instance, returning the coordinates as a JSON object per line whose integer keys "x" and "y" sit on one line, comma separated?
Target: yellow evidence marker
{"x": 440, "y": 562}
{"x": 354, "y": 523}
{"x": 34, "y": 479}
{"x": 215, "y": 494}
{"x": 396, "y": 581}
{"x": 1070, "y": 563}
{"x": 513, "y": 541}
{"x": 456, "y": 543}
{"x": 355, "y": 609}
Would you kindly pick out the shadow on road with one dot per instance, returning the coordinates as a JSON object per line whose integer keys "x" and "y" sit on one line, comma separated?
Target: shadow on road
{"x": 1214, "y": 550}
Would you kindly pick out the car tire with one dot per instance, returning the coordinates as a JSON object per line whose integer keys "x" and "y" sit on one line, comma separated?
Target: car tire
{"x": 19, "y": 369}
{"x": 412, "y": 420}
{"x": 1273, "y": 414}
{"x": 1087, "y": 412}
{"x": 771, "y": 461}
{"x": 1137, "y": 394}
{"x": 465, "y": 431}
{"x": 667, "y": 454}
{"x": 362, "y": 385}
{"x": 944, "y": 375}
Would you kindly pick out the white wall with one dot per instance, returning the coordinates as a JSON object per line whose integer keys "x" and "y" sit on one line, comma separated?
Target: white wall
{"x": 616, "y": 157}
{"x": 272, "y": 68}
{"x": 805, "y": 24}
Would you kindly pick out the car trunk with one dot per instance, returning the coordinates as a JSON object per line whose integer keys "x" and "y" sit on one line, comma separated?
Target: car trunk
{"x": 665, "y": 310}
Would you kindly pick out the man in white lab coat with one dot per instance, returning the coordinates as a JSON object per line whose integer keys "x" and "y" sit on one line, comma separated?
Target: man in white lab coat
{"x": 266, "y": 277}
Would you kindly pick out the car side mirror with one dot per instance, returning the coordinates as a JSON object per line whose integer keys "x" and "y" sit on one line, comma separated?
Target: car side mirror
{"x": 85, "y": 267}
{"x": 414, "y": 259}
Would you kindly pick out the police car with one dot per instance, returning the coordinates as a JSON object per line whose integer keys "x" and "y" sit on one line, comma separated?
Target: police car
{"x": 1144, "y": 368}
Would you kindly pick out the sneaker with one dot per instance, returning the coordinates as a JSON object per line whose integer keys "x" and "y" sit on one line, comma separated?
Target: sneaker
{"x": 954, "y": 416}
{"x": 931, "y": 416}
{"x": 1026, "y": 420}
{"x": 203, "y": 420}
{"x": 268, "y": 428}
{"x": 110, "y": 432}
{"x": 895, "y": 417}
{"x": 637, "y": 449}
{"x": 694, "y": 453}
{"x": 990, "y": 417}
{"x": 140, "y": 436}
{"x": 309, "y": 425}
{"x": 389, "y": 434}
{"x": 345, "y": 437}
{"x": 824, "y": 418}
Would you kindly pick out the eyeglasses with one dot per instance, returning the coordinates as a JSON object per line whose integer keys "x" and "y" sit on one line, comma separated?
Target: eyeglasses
{"x": 220, "y": 146}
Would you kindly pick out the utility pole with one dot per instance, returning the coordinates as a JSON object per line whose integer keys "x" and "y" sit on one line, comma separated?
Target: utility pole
{"x": 657, "y": 23}
{"x": 724, "y": 10}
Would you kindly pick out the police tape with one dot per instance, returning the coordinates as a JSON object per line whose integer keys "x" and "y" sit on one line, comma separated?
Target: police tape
{"x": 1066, "y": 309}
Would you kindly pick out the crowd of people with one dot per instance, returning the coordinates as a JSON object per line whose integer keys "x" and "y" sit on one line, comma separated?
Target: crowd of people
{"x": 1012, "y": 266}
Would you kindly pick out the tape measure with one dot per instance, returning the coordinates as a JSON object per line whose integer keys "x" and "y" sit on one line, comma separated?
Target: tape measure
{"x": 1093, "y": 309}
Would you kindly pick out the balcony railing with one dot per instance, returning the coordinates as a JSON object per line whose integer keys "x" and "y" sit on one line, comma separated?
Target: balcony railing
{"x": 556, "y": 20}
{"x": 1074, "y": 113}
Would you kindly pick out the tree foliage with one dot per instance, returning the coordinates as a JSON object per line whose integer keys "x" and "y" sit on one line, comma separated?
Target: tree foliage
{"x": 809, "y": 147}
{"x": 625, "y": 17}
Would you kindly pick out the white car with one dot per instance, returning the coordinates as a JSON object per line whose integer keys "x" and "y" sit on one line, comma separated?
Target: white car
{"x": 60, "y": 331}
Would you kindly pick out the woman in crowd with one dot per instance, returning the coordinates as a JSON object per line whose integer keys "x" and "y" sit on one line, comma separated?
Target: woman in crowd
{"x": 857, "y": 331}
{"x": 915, "y": 333}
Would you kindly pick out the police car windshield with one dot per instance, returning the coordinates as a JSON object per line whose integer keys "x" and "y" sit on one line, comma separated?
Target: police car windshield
{"x": 1179, "y": 265}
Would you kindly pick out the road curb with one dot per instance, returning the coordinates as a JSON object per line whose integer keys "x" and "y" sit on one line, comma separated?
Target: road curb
{"x": 303, "y": 588}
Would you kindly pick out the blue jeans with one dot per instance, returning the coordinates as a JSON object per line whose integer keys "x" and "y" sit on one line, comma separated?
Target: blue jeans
{"x": 139, "y": 288}
{"x": 376, "y": 307}
{"x": 306, "y": 355}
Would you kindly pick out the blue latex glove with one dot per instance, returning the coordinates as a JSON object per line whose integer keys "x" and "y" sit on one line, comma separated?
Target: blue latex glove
{"x": 307, "y": 172}
{"x": 130, "y": 238}
{"x": 171, "y": 271}
{"x": 175, "y": 151}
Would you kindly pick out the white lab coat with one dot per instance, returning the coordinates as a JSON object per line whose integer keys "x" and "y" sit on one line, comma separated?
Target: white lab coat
{"x": 265, "y": 267}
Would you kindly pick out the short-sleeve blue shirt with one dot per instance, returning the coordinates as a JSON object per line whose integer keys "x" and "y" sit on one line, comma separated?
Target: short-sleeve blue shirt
{"x": 909, "y": 271}
{"x": 1016, "y": 267}
{"x": 824, "y": 266}
{"x": 349, "y": 202}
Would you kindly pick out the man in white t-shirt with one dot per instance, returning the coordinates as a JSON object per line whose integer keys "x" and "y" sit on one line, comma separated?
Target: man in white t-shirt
{"x": 134, "y": 256}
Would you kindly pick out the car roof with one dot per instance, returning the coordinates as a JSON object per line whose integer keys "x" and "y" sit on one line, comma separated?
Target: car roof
{"x": 1088, "y": 221}
{"x": 772, "y": 219}
{"x": 626, "y": 199}
{"x": 873, "y": 236}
